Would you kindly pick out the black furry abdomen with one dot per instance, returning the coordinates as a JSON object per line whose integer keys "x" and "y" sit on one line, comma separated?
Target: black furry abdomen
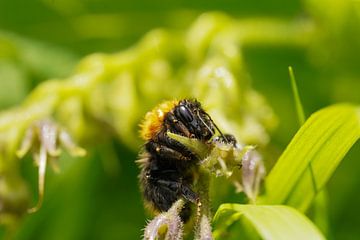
{"x": 165, "y": 179}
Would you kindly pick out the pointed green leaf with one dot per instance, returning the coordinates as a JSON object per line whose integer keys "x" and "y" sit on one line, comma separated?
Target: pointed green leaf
{"x": 272, "y": 222}
{"x": 297, "y": 99}
{"x": 312, "y": 156}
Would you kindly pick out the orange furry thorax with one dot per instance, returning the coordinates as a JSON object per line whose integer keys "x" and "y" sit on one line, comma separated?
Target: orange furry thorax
{"x": 154, "y": 119}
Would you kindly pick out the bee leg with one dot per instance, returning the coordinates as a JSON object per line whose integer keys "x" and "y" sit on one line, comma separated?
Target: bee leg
{"x": 226, "y": 138}
{"x": 184, "y": 190}
{"x": 165, "y": 140}
{"x": 189, "y": 194}
{"x": 165, "y": 152}
{"x": 168, "y": 191}
{"x": 176, "y": 126}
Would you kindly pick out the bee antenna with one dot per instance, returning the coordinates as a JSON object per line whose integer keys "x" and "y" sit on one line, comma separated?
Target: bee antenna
{"x": 227, "y": 141}
{"x": 212, "y": 132}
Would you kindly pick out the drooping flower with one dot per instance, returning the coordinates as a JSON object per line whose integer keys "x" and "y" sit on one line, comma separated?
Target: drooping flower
{"x": 253, "y": 172}
{"x": 45, "y": 139}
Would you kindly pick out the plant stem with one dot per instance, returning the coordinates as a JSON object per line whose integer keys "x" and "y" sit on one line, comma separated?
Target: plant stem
{"x": 202, "y": 225}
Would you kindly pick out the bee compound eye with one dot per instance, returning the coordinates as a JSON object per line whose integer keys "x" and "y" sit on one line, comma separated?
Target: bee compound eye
{"x": 185, "y": 114}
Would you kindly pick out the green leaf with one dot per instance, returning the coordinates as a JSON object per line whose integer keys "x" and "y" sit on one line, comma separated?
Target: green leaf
{"x": 312, "y": 156}
{"x": 297, "y": 99}
{"x": 271, "y": 222}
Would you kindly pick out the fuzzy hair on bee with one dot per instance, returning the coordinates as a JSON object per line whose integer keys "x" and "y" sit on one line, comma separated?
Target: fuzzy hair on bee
{"x": 168, "y": 168}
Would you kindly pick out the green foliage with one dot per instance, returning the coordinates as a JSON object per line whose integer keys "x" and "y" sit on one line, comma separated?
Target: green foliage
{"x": 272, "y": 222}
{"x": 312, "y": 156}
{"x": 213, "y": 59}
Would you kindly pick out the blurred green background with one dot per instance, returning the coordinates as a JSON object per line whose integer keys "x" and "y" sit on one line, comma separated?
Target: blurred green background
{"x": 97, "y": 197}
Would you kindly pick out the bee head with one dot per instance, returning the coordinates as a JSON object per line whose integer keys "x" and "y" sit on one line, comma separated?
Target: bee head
{"x": 199, "y": 123}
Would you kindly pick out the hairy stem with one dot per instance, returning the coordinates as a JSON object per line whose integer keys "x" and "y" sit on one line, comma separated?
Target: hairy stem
{"x": 202, "y": 225}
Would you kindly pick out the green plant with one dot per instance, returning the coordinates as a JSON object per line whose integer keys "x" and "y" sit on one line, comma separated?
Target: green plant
{"x": 114, "y": 91}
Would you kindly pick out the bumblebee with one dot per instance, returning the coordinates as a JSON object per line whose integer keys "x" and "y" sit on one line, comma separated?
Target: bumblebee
{"x": 168, "y": 168}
